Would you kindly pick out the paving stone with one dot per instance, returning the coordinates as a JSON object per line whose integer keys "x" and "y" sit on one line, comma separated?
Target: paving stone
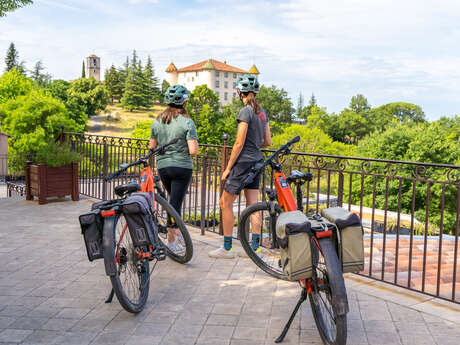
{"x": 14, "y": 335}
{"x": 72, "y": 313}
{"x": 222, "y": 320}
{"x": 144, "y": 340}
{"x": 28, "y": 323}
{"x": 230, "y": 309}
{"x": 152, "y": 329}
{"x": 56, "y": 324}
{"x": 212, "y": 341}
{"x": 42, "y": 337}
{"x": 249, "y": 333}
{"x": 383, "y": 338}
{"x": 5, "y": 321}
{"x": 224, "y": 332}
{"x": 111, "y": 338}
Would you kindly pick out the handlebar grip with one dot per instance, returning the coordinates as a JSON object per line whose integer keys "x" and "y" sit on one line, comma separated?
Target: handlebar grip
{"x": 112, "y": 175}
{"x": 293, "y": 140}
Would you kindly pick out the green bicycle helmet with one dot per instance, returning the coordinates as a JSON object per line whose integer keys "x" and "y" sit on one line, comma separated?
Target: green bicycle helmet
{"x": 247, "y": 82}
{"x": 176, "y": 94}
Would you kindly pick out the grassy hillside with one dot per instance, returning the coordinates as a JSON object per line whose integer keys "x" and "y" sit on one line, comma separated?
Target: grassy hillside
{"x": 116, "y": 121}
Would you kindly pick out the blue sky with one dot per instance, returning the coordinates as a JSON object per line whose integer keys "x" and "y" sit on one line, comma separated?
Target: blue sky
{"x": 388, "y": 50}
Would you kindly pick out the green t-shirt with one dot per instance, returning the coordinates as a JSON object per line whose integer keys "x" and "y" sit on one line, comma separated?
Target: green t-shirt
{"x": 176, "y": 155}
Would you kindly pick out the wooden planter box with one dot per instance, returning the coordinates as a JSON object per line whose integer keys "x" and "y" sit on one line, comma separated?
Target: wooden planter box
{"x": 44, "y": 181}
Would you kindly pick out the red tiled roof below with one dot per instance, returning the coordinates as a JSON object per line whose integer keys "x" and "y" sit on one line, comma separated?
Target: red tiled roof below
{"x": 401, "y": 271}
{"x": 220, "y": 66}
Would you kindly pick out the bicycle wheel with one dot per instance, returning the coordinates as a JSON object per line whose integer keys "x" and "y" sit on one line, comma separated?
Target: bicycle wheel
{"x": 172, "y": 231}
{"x": 132, "y": 280}
{"x": 268, "y": 258}
{"x": 328, "y": 294}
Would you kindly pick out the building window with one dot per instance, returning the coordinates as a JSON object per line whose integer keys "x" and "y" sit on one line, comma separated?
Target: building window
{"x": 225, "y": 95}
{"x": 226, "y": 74}
{"x": 94, "y": 61}
{"x": 217, "y": 83}
{"x": 196, "y": 74}
{"x": 217, "y": 73}
{"x": 217, "y": 93}
{"x": 226, "y": 84}
{"x": 234, "y": 75}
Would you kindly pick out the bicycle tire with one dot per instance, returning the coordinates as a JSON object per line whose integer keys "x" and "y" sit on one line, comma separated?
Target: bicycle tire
{"x": 330, "y": 272}
{"x": 269, "y": 261}
{"x": 125, "y": 258}
{"x": 161, "y": 218}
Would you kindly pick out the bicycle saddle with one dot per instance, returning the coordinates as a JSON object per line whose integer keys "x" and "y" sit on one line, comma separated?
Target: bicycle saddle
{"x": 296, "y": 175}
{"x": 127, "y": 188}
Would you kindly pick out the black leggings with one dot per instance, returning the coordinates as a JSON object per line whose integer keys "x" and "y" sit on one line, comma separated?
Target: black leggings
{"x": 176, "y": 182}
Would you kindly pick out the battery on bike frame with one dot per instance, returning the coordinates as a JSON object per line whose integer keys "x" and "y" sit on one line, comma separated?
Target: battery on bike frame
{"x": 283, "y": 190}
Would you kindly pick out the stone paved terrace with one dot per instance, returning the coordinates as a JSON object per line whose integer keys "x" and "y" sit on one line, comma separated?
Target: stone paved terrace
{"x": 51, "y": 294}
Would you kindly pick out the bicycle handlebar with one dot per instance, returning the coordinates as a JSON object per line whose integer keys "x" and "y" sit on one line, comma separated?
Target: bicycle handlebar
{"x": 159, "y": 150}
{"x": 259, "y": 166}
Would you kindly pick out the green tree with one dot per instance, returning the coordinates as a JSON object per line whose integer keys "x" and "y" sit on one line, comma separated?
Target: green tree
{"x": 152, "y": 90}
{"x": 13, "y": 84}
{"x": 200, "y": 96}
{"x": 131, "y": 96}
{"x": 359, "y": 104}
{"x": 33, "y": 120}
{"x": 164, "y": 87}
{"x": 276, "y": 103}
{"x": 83, "y": 71}
{"x": 40, "y": 78}
{"x": 89, "y": 93}
{"x": 437, "y": 142}
{"x": 113, "y": 83}
{"x": 12, "y": 58}
{"x": 354, "y": 126}
{"x": 306, "y": 111}
{"x": 382, "y": 116}
{"x": 300, "y": 106}
{"x": 312, "y": 140}
{"x": 11, "y": 5}
{"x": 59, "y": 89}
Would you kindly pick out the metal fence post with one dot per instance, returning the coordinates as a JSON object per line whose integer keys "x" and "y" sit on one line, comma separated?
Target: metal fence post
{"x": 340, "y": 190}
{"x": 203, "y": 193}
{"x": 105, "y": 168}
{"x": 224, "y": 165}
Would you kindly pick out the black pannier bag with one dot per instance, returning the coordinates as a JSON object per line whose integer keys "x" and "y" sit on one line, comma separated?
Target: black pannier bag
{"x": 92, "y": 225}
{"x": 138, "y": 214}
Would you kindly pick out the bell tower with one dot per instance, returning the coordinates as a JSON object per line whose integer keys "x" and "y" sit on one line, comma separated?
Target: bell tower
{"x": 93, "y": 67}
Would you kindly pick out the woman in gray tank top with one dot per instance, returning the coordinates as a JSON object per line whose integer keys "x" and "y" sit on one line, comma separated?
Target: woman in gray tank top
{"x": 253, "y": 133}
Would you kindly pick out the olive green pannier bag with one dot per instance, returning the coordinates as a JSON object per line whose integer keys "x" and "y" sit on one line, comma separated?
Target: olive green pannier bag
{"x": 350, "y": 242}
{"x": 292, "y": 232}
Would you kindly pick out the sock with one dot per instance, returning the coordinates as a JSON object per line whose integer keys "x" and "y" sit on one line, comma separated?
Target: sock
{"x": 255, "y": 241}
{"x": 228, "y": 242}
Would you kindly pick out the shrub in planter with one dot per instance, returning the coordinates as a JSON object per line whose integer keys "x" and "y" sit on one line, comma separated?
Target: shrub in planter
{"x": 54, "y": 172}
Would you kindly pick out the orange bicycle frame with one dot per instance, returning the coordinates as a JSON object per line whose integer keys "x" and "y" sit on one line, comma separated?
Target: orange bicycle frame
{"x": 284, "y": 192}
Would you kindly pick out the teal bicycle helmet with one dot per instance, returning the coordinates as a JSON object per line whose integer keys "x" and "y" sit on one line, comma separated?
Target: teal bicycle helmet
{"x": 176, "y": 94}
{"x": 247, "y": 82}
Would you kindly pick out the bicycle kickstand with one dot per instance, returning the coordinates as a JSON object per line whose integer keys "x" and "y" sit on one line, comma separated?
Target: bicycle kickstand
{"x": 109, "y": 299}
{"x": 303, "y": 297}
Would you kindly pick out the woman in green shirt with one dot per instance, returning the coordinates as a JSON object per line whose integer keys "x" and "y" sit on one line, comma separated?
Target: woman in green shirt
{"x": 175, "y": 165}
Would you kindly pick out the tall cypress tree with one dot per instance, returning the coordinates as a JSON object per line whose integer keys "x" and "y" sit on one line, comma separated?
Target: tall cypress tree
{"x": 83, "y": 73}
{"x": 12, "y": 57}
{"x": 152, "y": 90}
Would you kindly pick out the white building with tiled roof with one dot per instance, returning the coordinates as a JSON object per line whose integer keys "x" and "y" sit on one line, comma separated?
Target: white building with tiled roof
{"x": 218, "y": 76}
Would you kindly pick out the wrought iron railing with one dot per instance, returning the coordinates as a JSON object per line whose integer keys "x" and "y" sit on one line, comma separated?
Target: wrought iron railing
{"x": 410, "y": 210}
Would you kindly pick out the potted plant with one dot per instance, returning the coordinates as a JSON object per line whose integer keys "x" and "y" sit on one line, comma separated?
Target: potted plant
{"x": 54, "y": 172}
